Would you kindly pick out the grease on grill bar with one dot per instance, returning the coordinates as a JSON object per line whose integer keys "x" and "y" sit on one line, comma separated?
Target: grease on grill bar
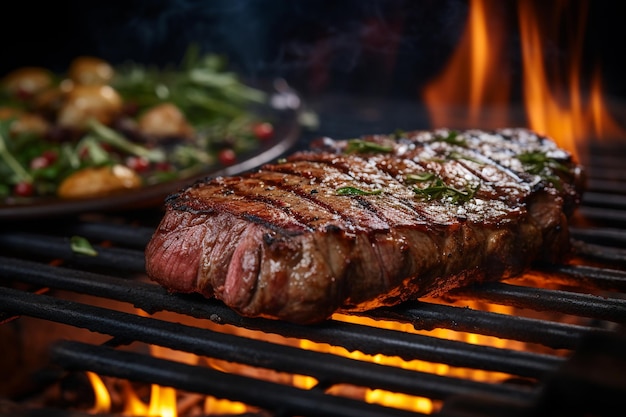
{"x": 555, "y": 336}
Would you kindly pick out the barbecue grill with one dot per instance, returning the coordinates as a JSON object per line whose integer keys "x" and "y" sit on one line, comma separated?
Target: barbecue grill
{"x": 549, "y": 343}
{"x": 569, "y": 318}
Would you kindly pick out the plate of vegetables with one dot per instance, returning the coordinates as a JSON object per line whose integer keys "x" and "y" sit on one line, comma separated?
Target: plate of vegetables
{"x": 104, "y": 137}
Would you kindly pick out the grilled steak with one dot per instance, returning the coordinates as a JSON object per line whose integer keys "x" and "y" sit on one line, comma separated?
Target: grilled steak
{"x": 362, "y": 223}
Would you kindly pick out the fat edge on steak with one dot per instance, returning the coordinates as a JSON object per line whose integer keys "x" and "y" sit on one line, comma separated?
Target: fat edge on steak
{"x": 357, "y": 224}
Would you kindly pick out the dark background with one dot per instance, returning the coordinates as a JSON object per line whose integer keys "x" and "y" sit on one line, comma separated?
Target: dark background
{"x": 359, "y": 48}
{"x": 343, "y": 45}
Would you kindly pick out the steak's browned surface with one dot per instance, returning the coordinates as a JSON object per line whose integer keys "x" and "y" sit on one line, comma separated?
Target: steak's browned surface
{"x": 357, "y": 224}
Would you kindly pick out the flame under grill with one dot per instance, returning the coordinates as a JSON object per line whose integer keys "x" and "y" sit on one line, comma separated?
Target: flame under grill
{"x": 581, "y": 370}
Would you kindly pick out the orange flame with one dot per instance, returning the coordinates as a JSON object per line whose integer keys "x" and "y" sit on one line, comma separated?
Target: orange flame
{"x": 101, "y": 393}
{"x": 133, "y": 405}
{"x": 564, "y": 115}
{"x": 410, "y": 402}
{"x": 164, "y": 401}
{"x": 477, "y": 79}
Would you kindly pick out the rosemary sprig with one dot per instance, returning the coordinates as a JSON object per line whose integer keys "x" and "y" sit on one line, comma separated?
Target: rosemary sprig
{"x": 421, "y": 177}
{"x": 458, "y": 155}
{"x": 453, "y": 138}
{"x": 363, "y": 146}
{"x": 356, "y": 191}
{"x": 437, "y": 189}
{"x": 398, "y": 134}
{"x": 18, "y": 171}
{"x": 539, "y": 163}
{"x": 113, "y": 138}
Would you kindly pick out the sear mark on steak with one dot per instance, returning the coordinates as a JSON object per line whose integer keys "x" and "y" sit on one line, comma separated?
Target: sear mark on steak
{"x": 352, "y": 225}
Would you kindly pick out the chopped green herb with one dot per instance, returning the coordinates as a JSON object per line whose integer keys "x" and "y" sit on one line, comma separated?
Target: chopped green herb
{"x": 438, "y": 190}
{"x": 356, "y": 191}
{"x": 363, "y": 146}
{"x": 453, "y": 138}
{"x": 539, "y": 163}
{"x": 421, "y": 177}
{"x": 82, "y": 246}
{"x": 458, "y": 155}
{"x": 399, "y": 133}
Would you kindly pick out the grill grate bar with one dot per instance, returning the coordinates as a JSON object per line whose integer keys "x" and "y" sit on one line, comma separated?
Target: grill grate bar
{"x": 115, "y": 230}
{"x": 584, "y": 305}
{"x": 606, "y": 186}
{"x": 607, "y": 236}
{"x": 608, "y": 160}
{"x": 602, "y": 253}
{"x": 604, "y": 215}
{"x": 118, "y": 233}
{"x": 589, "y": 277}
{"x": 608, "y": 173}
{"x": 55, "y": 247}
{"x": 282, "y": 399}
{"x": 430, "y": 316}
{"x": 617, "y": 201}
{"x": 322, "y": 366}
{"x": 422, "y": 315}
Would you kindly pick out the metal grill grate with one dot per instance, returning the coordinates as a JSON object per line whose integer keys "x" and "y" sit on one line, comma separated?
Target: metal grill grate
{"x": 568, "y": 326}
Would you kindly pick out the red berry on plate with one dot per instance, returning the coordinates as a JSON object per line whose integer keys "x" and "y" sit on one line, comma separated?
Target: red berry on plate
{"x": 226, "y": 156}
{"x": 24, "y": 189}
{"x": 44, "y": 160}
{"x": 163, "y": 166}
{"x": 137, "y": 163}
{"x": 39, "y": 162}
{"x": 51, "y": 155}
{"x": 263, "y": 131}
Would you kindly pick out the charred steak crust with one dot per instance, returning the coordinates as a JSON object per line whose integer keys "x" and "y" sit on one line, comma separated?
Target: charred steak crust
{"x": 369, "y": 222}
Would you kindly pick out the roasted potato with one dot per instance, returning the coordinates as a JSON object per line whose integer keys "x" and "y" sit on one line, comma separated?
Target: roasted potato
{"x": 165, "y": 120}
{"x": 89, "y": 70}
{"x": 98, "y": 182}
{"x": 85, "y": 102}
{"x": 25, "y": 82}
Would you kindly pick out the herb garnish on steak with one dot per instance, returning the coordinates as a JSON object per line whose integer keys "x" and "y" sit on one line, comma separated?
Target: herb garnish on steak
{"x": 362, "y": 223}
